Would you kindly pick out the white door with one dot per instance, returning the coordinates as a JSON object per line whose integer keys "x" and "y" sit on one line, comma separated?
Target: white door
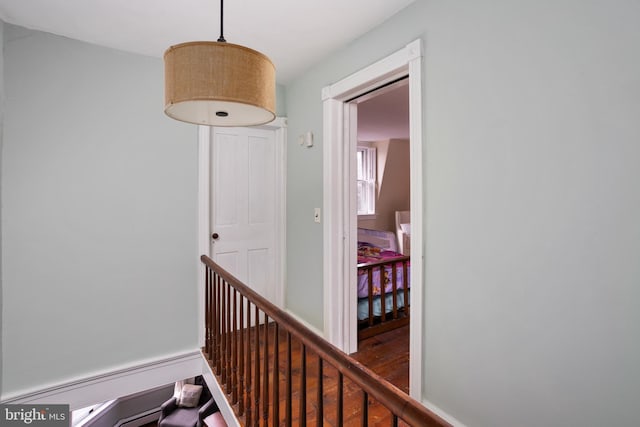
{"x": 243, "y": 205}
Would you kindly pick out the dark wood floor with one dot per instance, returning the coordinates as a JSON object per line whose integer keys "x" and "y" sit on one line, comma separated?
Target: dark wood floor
{"x": 386, "y": 354}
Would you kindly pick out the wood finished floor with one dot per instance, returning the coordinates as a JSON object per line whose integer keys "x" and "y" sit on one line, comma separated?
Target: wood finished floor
{"x": 386, "y": 354}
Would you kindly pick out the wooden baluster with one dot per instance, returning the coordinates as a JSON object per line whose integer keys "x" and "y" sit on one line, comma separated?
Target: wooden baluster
{"x": 234, "y": 350}
{"x": 370, "y": 284}
{"x": 383, "y": 295}
{"x": 394, "y": 275}
{"x": 365, "y": 409}
{"x": 216, "y": 347}
{"x": 320, "y": 398}
{"x": 223, "y": 335}
{"x": 214, "y": 320}
{"x": 276, "y": 375}
{"x": 265, "y": 373}
{"x": 288, "y": 397}
{"x": 208, "y": 312}
{"x": 256, "y": 386}
{"x": 303, "y": 385}
{"x": 228, "y": 340}
{"x": 207, "y": 315}
{"x": 241, "y": 359}
{"x": 248, "y": 362}
{"x": 221, "y": 327}
{"x": 394, "y": 421}
{"x": 339, "y": 402}
{"x": 212, "y": 316}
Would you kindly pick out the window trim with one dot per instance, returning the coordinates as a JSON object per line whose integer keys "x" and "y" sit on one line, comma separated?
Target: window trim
{"x": 371, "y": 163}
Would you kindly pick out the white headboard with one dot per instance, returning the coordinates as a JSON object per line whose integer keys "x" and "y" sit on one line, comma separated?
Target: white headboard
{"x": 383, "y": 239}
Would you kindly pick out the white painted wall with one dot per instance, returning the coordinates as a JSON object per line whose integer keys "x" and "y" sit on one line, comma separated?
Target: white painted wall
{"x": 98, "y": 214}
{"x": 531, "y": 136}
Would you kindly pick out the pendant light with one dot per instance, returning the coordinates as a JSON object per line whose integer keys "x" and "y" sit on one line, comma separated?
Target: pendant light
{"x": 219, "y": 83}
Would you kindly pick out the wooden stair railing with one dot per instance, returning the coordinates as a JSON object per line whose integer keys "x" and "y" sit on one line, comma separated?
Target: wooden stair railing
{"x": 249, "y": 344}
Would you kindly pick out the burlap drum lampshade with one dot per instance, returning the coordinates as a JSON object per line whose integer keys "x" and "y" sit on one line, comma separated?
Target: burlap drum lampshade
{"x": 219, "y": 84}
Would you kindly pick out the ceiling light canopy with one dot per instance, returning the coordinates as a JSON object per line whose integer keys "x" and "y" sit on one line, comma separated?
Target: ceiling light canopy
{"x": 219, "y": 83}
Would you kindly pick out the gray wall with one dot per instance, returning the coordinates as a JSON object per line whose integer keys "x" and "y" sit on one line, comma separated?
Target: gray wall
{"x": 99, "y": 213}
{"x": 281, "y": 101}
{"x": 531, "y": 148}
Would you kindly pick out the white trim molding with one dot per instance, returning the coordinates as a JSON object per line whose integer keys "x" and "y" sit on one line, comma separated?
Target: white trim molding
{"x": 340, "y": 221}
{"x": 281, "y": 201}
{"x": 312, "y": 328}
{"x": 333, "y": 235}
{"x": 204, "y": 215}
{"x": 116, "y": 383}
{"x": 417, "y": 183}
{"x": 442, "y": 414}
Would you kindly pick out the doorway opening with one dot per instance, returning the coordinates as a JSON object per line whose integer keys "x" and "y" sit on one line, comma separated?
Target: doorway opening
{"x": 339, "y": 183}
{"x": 383, "y": 203}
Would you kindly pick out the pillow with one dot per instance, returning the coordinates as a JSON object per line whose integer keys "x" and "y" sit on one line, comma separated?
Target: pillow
{"x": 177, "y": 389}
{"x": 190, "y": 395}
{"x": 368, "y": 250}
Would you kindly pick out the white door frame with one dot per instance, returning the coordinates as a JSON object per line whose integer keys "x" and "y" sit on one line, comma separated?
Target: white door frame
{"x": 279, "y": 125}
{"x": 340, "y": 220}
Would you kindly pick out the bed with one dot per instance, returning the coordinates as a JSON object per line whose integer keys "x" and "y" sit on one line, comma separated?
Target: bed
{"x": 384, "y": 277}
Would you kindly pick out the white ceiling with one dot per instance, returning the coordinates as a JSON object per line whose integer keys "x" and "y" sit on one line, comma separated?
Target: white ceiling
{"x": 295, "y": 34}
{"x": 384, "y": 114}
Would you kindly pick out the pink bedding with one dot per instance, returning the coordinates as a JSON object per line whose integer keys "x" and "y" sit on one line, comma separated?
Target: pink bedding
{"x": 368, "y": 253}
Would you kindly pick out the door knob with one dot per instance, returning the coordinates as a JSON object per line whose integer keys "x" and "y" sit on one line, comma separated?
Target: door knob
{"x": 215, "y": 236}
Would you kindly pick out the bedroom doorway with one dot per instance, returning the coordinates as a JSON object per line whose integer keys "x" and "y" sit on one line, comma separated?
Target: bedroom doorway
{"x": 383, "y": 202}
{"x": 340, "y": 220}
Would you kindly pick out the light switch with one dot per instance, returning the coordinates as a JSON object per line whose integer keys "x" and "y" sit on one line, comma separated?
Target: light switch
{"x": 316, "y": 215}
{"x": 306, "y": 139}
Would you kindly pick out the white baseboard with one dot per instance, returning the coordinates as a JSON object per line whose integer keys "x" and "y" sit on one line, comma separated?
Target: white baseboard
{"x": 110, "y": 385}
{"x": 313, "y": 329}
{"x": 442, "y": 414}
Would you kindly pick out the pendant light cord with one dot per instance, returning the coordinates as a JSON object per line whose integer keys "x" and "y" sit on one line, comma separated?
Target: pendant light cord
{"x": 221, "y": 38}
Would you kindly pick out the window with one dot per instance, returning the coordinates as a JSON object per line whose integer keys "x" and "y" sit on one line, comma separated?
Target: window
{"x": 366, "y": 180}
